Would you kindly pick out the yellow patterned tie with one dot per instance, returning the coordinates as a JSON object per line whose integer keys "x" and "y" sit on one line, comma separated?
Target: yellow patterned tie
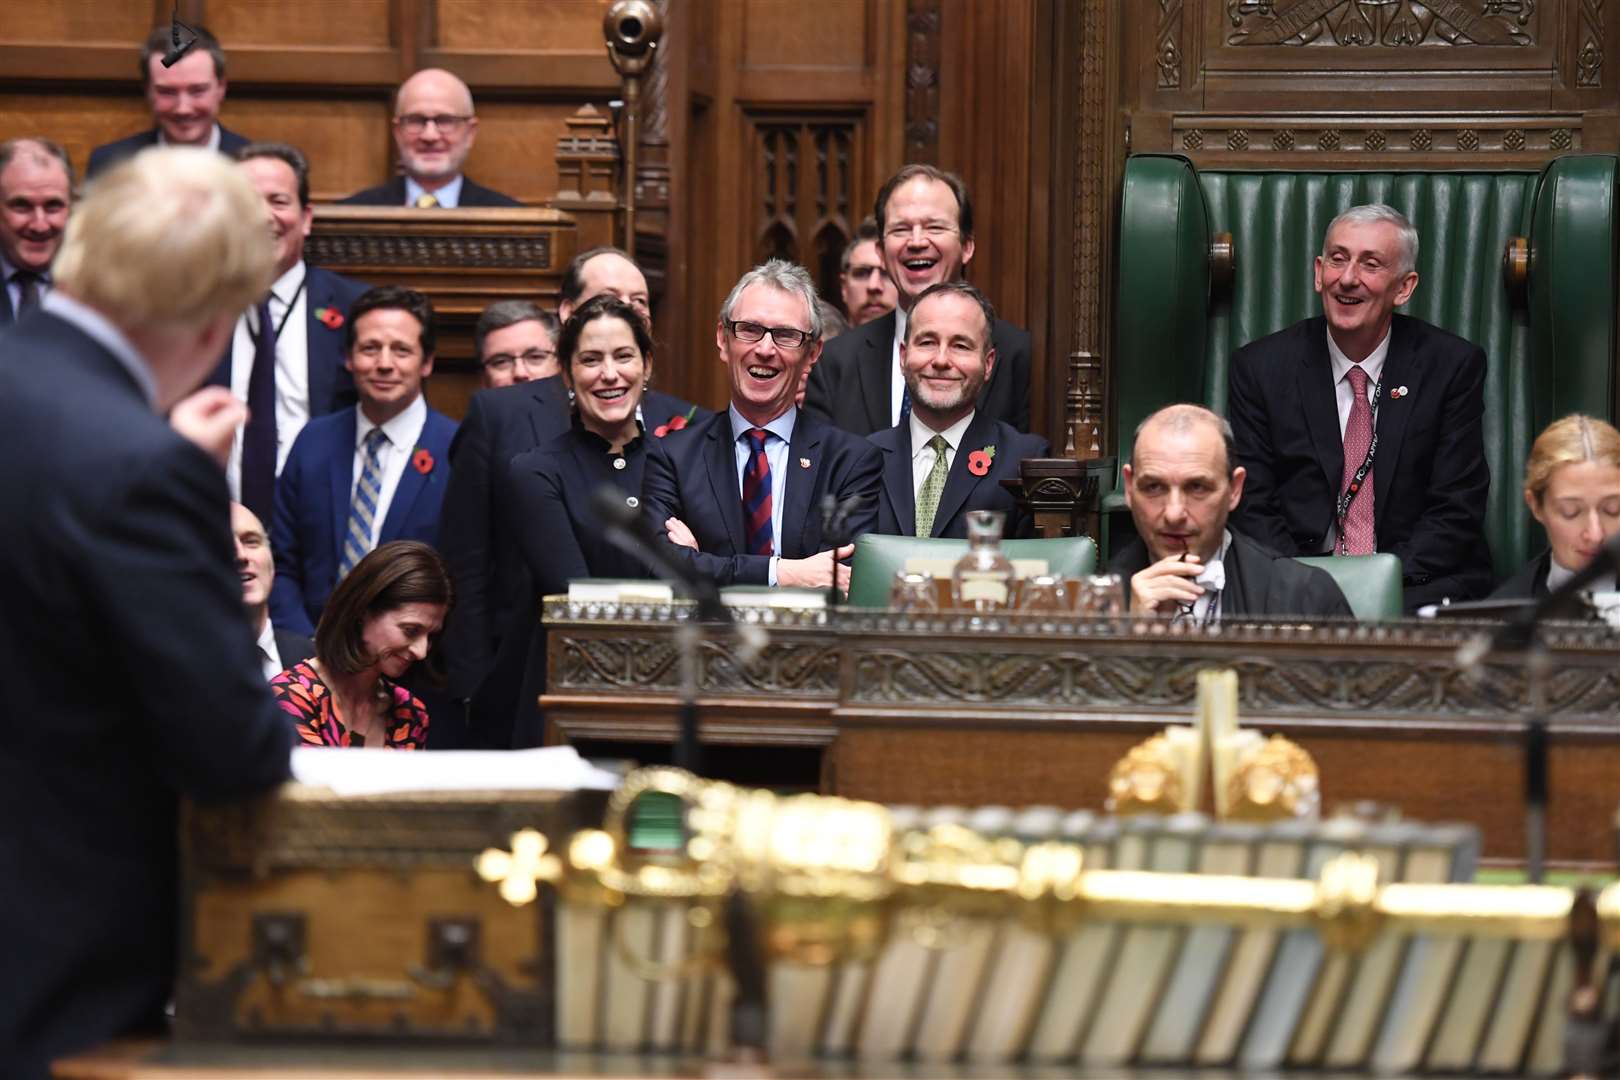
{"x": 933, "y": 485}
{"x": 426, "y": 201}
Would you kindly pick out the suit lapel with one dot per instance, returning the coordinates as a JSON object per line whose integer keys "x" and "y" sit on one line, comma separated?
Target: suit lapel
{"x": 1401, "y": 370}
{"x": 897, "y": 482}
{"x": 546, "y": 392}
{"x": 1316, "y": 396}
{"x": 318, "y": 343}
{"x": 1243, "y": 582}
{"x": 959, "y": 483}
{"x": 874, "y": 368}
{"x": 722, "y": 469}
{"x": 7, "y": 316}
{"x": 341, "y": 480}
{"x": 799, "y": 485}
{"x": 411, "y": 483}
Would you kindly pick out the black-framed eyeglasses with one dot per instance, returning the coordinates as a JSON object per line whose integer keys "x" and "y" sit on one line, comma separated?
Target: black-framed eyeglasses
{"x": 787, "y": 337}
{"x": 415, "y": 123}
{"x": 531, "y": 358}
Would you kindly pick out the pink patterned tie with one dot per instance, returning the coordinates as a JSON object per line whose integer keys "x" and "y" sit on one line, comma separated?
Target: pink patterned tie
{"x": 1357, "y": 537}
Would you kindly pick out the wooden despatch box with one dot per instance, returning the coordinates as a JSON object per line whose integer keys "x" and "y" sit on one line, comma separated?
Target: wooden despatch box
{"x": 310, "y": 914}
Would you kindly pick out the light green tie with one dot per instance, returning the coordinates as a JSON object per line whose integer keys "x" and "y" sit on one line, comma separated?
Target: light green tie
{"x": 933, "y": 485}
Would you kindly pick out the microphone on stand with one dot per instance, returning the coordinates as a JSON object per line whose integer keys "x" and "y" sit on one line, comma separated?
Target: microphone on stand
{"x": 1515, "y": 634}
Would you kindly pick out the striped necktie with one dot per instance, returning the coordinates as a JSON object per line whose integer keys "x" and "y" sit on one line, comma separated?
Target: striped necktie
{"x": 1358, "y": 535}
{"x": 932, "y": 487}
{"x": 756, "y": 495}
{"x": 363, "y": 506}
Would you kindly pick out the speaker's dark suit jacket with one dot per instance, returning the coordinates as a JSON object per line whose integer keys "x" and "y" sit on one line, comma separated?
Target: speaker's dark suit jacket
{"x": 692, "y": 475}
{"x": 1259, "y": 582}
{"x": 330, "y": 385}
{"x": 897, "y": 506}
{"x": 480, "y": 541}
{"x": 128, "y": 677}
{"x": 393, "y": 194}
{"x": 104, "y": 157}
{"x": 312, "y": 510}
{"x": 1430, "y": 476}
{"x": 850, "y": 384}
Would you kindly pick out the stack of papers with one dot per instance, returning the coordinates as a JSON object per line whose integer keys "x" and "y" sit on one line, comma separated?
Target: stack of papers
{"x": 350, "y": 771}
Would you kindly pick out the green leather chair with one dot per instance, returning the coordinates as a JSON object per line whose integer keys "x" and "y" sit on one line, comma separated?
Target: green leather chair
{"x": 879, "y": 558}
{"x": 1371, "y": 583}
{"x": 1549, "y": 356}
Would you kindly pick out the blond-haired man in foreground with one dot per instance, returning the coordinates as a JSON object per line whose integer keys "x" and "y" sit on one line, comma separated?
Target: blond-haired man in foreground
{"x": 128, "y": 676}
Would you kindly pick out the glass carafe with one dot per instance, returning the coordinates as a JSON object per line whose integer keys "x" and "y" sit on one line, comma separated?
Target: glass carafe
{"x": 983, "y": 578}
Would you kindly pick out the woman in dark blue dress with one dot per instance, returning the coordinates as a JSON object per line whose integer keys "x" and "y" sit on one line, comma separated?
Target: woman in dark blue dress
{"x": 606, "y": 355}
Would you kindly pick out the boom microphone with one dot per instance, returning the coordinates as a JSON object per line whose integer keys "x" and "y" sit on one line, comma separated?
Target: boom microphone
{"x": 177, "y": 48}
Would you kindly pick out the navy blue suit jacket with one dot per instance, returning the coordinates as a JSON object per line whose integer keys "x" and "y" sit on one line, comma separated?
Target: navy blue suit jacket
{"x": 312, "y": 510}
{"x": 331, "y": 387}
{"x": 105, "y": 156}
{"x": 897, "y": 508}
{"x": 480, "y": 535}
{"x": 850, "y": 385}
{"x": 128, "y": 678}
{"x": 392, "y": 193}
{"x": 1430, "y": 478}
{"x": 692, "y": 475}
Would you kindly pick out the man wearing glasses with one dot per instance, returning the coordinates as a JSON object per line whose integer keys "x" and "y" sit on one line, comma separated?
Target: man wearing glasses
{"x": 740, "y": 494}
{"x": 434, "y": 129}
{"x": 516, "y": 342}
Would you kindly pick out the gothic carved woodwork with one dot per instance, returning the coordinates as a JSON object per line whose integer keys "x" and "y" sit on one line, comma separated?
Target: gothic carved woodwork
{"x": 805, "y": 189}
{"x": 922, "y": 80}
{"x": 1388, "y": 23}
{"x": 588, "y": 175}
{"x": 1086, "y": 394}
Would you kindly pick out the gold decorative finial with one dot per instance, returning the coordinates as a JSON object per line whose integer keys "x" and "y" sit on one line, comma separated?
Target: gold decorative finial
{"x": 520, "y": 869}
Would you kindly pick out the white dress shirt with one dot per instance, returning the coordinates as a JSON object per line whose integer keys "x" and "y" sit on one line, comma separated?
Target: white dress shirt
{"x": 776, "y": 455}
{"x": 922, "y": 456}
{"x": 402, "y": 432}
{"x": 1344, "y": 393}
{"x": 269, "y": 655}
{"x": 292, "y": 368}
{"x": 897, "y": 381}
{"x": 1207, "y": 608}
{"x": 213, "y": 138}
{"x": 449, "y": 196}
{"x": 1557, "y": 576}
{"x": 14, "y": 289}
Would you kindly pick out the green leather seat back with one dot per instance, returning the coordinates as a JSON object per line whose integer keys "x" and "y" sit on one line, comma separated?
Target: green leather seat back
{"x": 1371, "y": 583}
{"x": 879, "y": 558}
{"x": 1464, "y": 220}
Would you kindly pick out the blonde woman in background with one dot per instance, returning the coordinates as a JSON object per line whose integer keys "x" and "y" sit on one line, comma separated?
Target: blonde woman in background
{"x": 1572, "y": 487}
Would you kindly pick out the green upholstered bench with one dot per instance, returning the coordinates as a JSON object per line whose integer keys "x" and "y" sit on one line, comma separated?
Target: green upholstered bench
{"x": 1549, "y": 355}
{"x": 1371, "y": 583}
{"x": 879, "y": 558}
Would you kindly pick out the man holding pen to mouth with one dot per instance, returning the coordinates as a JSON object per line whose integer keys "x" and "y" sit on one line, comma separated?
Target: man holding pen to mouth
{"x": 1180, "y": 485}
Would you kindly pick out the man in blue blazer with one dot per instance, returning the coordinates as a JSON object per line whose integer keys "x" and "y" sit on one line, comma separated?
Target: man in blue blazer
{"x": 185, "y": 101}
{"x": 949, "y": 456}
{"x": 740, "y": 494}
{"x": 367, "y": 474}
{"x": 306, "y": 309}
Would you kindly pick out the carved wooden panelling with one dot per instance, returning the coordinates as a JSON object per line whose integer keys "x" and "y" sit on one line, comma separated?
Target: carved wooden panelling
{"x": 348, "y": 23}
{"x": 1219, "y": 139}
{"x": 808, "y": 193}
{"x": 922, "y": 80}
{"x": 80, "y": 122}
{"x": 1388, "y": 23}
{"x": 642, "y": 662}
{"x": 345, "y": 140}
{"x": 121, "y": 22}
{"x": 824, "y": 34}
{"x": 529, "y": 25}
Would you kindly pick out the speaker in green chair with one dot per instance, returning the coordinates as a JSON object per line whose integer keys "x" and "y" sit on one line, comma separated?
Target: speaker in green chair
{"x": 1371, "y": 583}
{"x": 879, "y": 558}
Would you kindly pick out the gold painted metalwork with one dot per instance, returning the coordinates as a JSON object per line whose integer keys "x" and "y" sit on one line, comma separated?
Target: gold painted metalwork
{"x": 831, "y": 879}
{"x": 1274, "y": 781}
{"x": 1147, "y": 780}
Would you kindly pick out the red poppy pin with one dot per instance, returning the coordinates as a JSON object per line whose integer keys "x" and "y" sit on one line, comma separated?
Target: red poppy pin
{"x": 422, "y": 461}
{"x": 330, "y": 317}
{"x": 675, "y": 423}
{"x": 979, "y": 461}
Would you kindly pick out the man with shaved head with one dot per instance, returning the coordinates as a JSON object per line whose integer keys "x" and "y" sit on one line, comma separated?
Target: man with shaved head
{"x": 1186, "y": 562}
{"x": 434, "y": 130}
